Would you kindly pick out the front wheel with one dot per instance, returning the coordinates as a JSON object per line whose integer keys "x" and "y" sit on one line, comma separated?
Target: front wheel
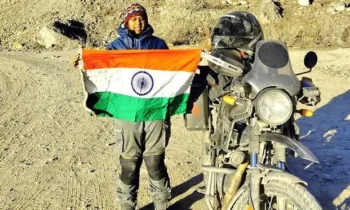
{"x": 279, "y": 195}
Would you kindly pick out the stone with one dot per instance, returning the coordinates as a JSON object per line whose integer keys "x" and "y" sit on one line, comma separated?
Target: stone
{"x": 243, "y": 3}
{"x": 331, "y": 10}
{"x": 47, "y": 37}
{"x": 339, "y": 7}
{"x": 17, "y": 46}
{"x": 327, "y": 177}
{"x": 317, "y": 4}
{"x": 304, "y": 2}
{"x": 338, "y": 157}
{"x": 269, "y": 12}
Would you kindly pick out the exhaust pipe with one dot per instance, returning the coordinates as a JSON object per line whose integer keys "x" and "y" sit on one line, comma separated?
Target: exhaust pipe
{"x": 234, "y": 184}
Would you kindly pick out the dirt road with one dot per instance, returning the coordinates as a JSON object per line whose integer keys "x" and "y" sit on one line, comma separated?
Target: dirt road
{"x": 53, "y": 155}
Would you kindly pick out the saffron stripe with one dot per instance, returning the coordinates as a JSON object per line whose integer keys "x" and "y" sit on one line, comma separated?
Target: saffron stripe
{"x": 161, "y": 60}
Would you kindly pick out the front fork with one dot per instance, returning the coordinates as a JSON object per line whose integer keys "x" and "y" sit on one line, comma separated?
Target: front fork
{"x": 254, "y": 173}
{"x": 280, "y": 155}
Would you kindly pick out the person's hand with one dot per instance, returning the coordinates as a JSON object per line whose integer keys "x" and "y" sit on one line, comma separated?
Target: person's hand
{"x": 207, "y": 42}
{"x": 75, "y": 60}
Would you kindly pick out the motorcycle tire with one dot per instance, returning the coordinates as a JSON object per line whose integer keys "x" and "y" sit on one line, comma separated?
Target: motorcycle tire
{"x": 293, "y": 192}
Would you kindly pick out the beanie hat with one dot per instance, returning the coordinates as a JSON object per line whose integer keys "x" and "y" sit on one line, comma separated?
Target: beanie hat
{"x": 132, "y": 11}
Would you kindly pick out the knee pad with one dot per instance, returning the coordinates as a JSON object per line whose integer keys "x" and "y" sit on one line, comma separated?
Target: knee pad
{"x": 156, "y": 167}
{"x": 130, "y": 170}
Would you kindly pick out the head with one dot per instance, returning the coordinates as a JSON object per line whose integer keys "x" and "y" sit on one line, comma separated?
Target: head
{"x": 237, "y": 30}
{"x": 135, "y": 18}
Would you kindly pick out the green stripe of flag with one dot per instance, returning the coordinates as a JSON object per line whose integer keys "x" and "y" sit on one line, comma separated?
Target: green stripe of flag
{"x": 107, "y": 104}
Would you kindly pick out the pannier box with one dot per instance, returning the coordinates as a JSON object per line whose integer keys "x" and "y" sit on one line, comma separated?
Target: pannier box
{"x": 197, "y": 118}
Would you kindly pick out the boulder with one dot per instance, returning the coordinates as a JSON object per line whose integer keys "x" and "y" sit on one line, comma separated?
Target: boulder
{"x": 48, "y": 38}
{"x": 270, "y": 11}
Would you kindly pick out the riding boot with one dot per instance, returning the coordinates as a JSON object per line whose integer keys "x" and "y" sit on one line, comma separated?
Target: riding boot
{"x": 160, "y": 192}
{"x": 127, "y": 195}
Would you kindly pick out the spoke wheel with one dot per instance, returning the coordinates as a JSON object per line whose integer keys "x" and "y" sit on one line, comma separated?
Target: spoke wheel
{"x": 279, "y": 195}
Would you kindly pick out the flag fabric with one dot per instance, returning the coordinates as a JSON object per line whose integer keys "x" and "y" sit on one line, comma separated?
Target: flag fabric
{"x": 138, "y": 85}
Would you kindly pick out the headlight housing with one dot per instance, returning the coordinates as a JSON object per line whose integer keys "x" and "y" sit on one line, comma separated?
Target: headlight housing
{"x": 274, "y": 106}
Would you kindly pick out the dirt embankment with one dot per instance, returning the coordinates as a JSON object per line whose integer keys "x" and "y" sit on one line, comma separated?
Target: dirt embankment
{"x": 179, "y": 22}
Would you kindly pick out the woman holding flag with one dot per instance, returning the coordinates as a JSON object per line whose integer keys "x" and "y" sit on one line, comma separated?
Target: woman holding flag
{"x": 141, "y": 140}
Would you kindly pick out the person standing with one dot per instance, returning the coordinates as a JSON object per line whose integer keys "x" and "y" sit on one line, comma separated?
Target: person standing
{"x": 141, "y": 140}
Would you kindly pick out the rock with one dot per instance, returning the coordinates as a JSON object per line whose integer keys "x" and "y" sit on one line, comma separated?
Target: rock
{"x": 17, "y": 46}
{"x": 327, "y": 177}
{"x": 328, "y": 164}
{"x": 304, "y": 2}
{"x": 269, "y": 12}
{"x": 233, "y": 3}
{"x": 339, "y": 7}
{"x": 317, "y": 4}
{"x": 243, "y": 3}
{"x": 331, "y": 10}
{"x": 338, "y": 157}
{"x": 47, "y": 37}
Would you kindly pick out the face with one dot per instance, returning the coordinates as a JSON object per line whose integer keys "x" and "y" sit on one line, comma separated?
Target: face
{"x": 137, "y": 24}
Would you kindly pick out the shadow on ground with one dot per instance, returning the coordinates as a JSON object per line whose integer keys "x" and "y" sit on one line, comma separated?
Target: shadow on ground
{"x": 327, "y": 134}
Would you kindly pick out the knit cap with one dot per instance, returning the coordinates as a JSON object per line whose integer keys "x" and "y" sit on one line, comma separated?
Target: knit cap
{"x": 132, "y": 11}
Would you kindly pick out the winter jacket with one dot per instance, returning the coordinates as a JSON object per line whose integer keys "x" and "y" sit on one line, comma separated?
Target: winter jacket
{"x": 144, "y": 41}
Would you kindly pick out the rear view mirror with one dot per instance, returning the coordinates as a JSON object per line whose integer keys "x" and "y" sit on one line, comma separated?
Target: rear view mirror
{"x": 310, "y": 60}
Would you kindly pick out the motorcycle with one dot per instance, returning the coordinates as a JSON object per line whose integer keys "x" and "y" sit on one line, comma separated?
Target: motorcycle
{"x": 250, "y": 103}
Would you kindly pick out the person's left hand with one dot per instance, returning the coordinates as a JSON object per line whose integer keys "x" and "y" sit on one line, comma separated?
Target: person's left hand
{"x": 75, "y": 60}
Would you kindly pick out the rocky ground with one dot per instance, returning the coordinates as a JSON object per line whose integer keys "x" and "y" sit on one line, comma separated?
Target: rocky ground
{"x": 53, "y": 155}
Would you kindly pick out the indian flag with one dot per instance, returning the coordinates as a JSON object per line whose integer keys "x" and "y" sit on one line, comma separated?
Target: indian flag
{"x": 138, "y": 85}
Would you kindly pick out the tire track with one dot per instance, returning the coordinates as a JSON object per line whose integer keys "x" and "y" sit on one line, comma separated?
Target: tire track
{"x": 22, "y": 88}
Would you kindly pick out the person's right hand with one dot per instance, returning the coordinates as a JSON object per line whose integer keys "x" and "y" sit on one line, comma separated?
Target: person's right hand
{"x": 207, "y": 42}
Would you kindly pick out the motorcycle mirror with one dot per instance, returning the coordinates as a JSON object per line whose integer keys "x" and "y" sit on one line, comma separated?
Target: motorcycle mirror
{"x": 207, "y": 42}
{"x": 310, "y": 61}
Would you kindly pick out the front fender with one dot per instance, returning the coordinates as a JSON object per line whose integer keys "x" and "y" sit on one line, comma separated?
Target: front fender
{"x": 294, "y": 145}
{"x": 267, "y": 176}
{"x": 286, "y": 177}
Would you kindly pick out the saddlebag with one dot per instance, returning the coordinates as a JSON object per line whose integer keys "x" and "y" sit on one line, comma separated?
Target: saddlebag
{"x": 197, "y": 118}
{"x": 198, "y": 103}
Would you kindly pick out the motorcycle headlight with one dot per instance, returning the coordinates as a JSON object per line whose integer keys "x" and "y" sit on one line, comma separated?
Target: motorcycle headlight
{"x": 274, "y": 107}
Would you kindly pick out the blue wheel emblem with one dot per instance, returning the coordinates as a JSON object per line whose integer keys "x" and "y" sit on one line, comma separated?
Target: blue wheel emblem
{"x": 142, "y": 83}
